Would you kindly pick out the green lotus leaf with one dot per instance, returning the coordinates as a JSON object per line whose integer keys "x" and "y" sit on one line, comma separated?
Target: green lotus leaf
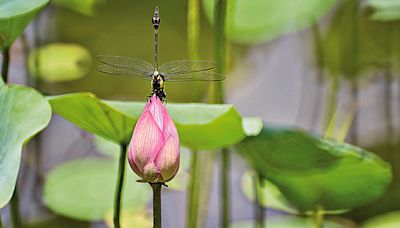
{"x": 56, "y": 221}
{"x": 132, "y": 218}
{"x": 271, "y": 197}
{"x": 60, "y": 62}
{"x": 15, "y": 15}
{"x": 85, "y": 7}
{"x": 316, "y": 173}
{"x": 23, "y": 113}
{"x": 84, "y": 189}
{"x": 258, "y": 21}
{"x": 200, "y": 126}
{"x": 387, "y": 220}
{"x": 290, "y": 222}
{"x": 385, "y": 10}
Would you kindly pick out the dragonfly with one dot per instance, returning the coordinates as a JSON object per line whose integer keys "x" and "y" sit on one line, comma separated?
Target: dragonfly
{"x": 174, "y": 71}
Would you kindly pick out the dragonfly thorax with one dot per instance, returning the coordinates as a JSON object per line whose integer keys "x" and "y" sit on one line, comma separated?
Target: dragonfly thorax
{"x": 157, "y": 85}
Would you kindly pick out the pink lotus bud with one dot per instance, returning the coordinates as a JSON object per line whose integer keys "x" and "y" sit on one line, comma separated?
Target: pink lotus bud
{"x": 154, "y": 148}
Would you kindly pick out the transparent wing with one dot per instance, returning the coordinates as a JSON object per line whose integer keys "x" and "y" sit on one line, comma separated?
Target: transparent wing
{"x": 185, "y": 66}
{"x": 107, "y": 69}
{"x": 195, "y": 76}
{"x": 122, "y": 65}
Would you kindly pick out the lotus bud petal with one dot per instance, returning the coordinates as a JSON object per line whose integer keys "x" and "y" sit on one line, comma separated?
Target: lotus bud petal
{"x": 154, "y": 148}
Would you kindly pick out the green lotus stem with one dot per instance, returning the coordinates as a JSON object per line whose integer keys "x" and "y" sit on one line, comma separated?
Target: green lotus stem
{"x": 332, "y": 101}
{"x": 1, "y": 222}
{"x": 118, "y": 188}
{"x": 14, "y": 209}
{"x": 193, "y": 188}
{"x": 156, "y": 204}
{"x": 193, "y": 29}
{"x": 259, "y": 210}
{"x": 218, "y": 97}
{"x": 354, "y": 92}
{"x": 225, "y": 194}
{"x": 5, "y": 63}
{"x": 193, "y": 37}
{"x": 319, "y": 217}
{"x": 220, "y": 48}
{"x": 193, "y": 191}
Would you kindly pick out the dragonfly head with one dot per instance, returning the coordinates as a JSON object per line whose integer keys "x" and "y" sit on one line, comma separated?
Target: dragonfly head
{"x": 156, "y": 18}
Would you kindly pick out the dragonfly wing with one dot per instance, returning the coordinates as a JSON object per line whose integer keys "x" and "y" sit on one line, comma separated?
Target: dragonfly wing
{"x": 195, "y": 76}
{"x": 107, "y": 69}
{"x": 139, "y": 66}
{"x": 185, "y": 67}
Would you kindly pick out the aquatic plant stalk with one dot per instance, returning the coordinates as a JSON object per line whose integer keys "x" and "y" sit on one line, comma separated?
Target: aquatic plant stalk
{"x": 225, "y": 193}
{"x": 193, "y": 191}
{"x": 332, "y": 101}
{"x": 259, "y": 209}
{"x": 193, "y": 37}
{"x": 119, "y": 186}
{"x": 193, "y": 29}
{"x": 156, "y": 204}
{"x": 1, "y": 222}
{"x": 218, "y": 97}
{"x": 5, "y": 64}
{"x": 14, "y": 209}
{"x": 197, "y": 162}
{"x": 318, "y": 218}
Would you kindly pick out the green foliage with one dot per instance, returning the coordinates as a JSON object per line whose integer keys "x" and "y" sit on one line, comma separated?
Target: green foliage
{"x": 84, "y": 189}
{"x": 288, "y": 222}
{"x": 385, "y": 10}
{"x": 312, "y": 172}
{"x": 15, "y": 15}
{"x": 271, "y": 197}
{"x": 59, "y": 222}
{"x": 387, "y": 220}
{"x": 132, "y": 218}
{"x": 23, "y": 113}
{"x": 60, "y": 62}
{"x": 258, "y": 21}
{"x": 200, "y": 126}
{"x": 85, "y": 7}
{"x": 354, "y": 44}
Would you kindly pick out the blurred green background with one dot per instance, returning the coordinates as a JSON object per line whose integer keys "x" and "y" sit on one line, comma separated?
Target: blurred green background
{"x": 288, "y": 61}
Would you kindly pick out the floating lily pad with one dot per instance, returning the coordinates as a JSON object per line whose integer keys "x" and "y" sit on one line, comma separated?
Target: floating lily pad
{"x": 387, "y": 220}
{"x": 23, "y": 113}
{"x": 385, "y": 10}
{"x": 312, "y": 172}
{"x": 60, "y": 62}
{"x": 55, "y": 221}
{"x": 132, "y": 218}
{"x": 200, "y": 126}
{"x": 272, "y": 197}
{"x": 15, "y": 15}
{"x": 289, "y": 222}
{"x": 85, "y": 7}
{"x": 84, "y": 189}
{"x": 261, "y": 20}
